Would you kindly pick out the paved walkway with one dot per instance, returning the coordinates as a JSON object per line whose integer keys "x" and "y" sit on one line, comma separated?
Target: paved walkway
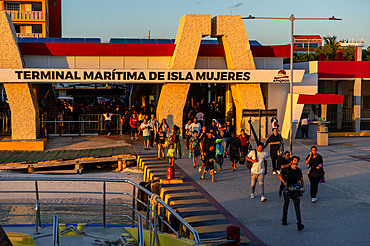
{"x": 340, "y": 217}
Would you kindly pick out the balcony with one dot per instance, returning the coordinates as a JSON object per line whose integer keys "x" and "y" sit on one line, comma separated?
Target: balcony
{"x": 25, "y": 15}
{"x": 29, "y": 35}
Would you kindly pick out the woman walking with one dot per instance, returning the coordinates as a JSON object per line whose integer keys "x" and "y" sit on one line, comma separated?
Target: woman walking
{"x": 316, "y": 173}
{"x": 175, "y": 139}
{"x": 160, "y": 140}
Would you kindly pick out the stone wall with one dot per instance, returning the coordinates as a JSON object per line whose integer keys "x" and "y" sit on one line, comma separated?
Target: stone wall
{"x": 174, "y": 95}
{"x": 22, "y": 101}
{"x": 231, "y": 33}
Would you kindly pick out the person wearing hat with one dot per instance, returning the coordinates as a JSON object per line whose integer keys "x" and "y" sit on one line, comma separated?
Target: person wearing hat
{"x": 292, "y": 178}
{"x": 219, "y": 152}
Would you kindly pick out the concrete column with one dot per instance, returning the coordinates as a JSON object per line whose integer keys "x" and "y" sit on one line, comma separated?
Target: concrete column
{"x": 22, "y": 100}
{"x": 231, "y": 33}
{"x": 174, "y": 95}
{"x": 228, "y": 101}
{"x": 357, "y": 104}
{"x": 339, "y": 106}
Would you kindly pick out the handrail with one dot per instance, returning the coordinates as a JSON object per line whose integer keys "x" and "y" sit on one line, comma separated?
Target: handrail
{"x": 56, "y": 231}
{"x": 135, "y": 185}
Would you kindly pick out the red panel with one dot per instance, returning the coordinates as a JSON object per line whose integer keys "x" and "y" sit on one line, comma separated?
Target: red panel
{"x": 320, "y": 99}
{"x": 272, "y": 51}
{"x": 343, "y": 69}
{"x": 307, "y": 37}
{"x": 109, "y": 49}
{"x": 96, "y": 49}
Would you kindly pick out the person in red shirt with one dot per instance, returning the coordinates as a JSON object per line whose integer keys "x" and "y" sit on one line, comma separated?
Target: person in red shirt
{"x": 134, "y": 122}
{"x": 244, "y": 138}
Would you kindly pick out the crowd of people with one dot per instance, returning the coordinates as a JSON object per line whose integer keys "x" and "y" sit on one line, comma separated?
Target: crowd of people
{"x": 213, "y": 143}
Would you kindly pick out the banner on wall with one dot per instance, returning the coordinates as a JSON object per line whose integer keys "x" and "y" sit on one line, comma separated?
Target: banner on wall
{"x": 148, "y": 76}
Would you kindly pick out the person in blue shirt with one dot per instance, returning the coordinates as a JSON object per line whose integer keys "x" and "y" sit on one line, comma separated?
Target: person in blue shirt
{"x": 219, "y": 153}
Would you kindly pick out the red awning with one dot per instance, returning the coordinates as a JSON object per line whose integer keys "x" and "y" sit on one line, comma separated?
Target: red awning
{"x": 320, "y": 99}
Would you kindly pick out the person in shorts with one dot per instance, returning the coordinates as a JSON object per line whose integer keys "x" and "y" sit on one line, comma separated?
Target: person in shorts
{"x": 194, "y": 147}
{"x": 145, "y": 128}
{"x": 134, "y": 123}
{"x": 160, "y": 140}
{"x": 210, "y": 163}
{"x": 235, "y": 149}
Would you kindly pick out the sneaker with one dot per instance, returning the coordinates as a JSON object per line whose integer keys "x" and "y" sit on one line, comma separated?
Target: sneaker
{"x": 263, "y": 198}
{"x": 273, "y": 172}
{"x": 108, "y": 134}
{"x": 252, "y": 196}
{"x": 300, "y": 227}
{"x": 314, "y": 200}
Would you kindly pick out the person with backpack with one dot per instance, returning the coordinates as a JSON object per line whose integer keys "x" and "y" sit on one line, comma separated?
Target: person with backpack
{"x": 294, "y": 187}
{"x": 259, "y": 169}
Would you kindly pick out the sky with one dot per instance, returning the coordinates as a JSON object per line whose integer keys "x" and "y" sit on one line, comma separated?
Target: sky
{"x": 107, "y": 19}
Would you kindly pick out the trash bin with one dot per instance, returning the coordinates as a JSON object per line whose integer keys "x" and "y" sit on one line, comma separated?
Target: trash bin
{"x": 322, "y": 136}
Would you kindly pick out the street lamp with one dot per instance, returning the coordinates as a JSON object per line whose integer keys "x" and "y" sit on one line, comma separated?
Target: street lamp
{"x": 292, "y": 19}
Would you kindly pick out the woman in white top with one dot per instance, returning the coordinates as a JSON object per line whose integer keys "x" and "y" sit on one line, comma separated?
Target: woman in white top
{"x": 108, "y": 122}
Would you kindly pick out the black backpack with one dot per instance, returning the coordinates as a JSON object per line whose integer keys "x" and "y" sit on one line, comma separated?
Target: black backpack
{"x": 249, "y": 164}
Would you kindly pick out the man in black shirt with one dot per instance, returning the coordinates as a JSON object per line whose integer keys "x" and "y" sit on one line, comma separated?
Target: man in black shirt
{"x": 275, "y": 141}
{"x": 292, "y": 176}
{"x": 283, "y": 162}
{"x": 235, "y": 146}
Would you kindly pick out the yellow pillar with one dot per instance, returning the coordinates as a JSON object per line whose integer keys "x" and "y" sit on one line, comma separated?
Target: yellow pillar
{"x": 22, "y": 101}
{"x": 173, "y": 95}
{"x": 232, "y": 35}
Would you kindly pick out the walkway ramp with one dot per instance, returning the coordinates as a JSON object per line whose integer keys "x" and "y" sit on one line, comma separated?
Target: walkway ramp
{"x": 185, "y": 199}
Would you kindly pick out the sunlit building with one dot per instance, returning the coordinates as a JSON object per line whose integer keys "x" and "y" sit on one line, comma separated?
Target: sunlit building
{"x": 35, "y": 18}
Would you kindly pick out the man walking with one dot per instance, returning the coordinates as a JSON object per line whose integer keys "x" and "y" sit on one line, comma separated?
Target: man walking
{"x": 235, "y": 149}
{"x": 293, "y": 181}
{"x": 275, "y": 141}
{"x": 258, "y": 170}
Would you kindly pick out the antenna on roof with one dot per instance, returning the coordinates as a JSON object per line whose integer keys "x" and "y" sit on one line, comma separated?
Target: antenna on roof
{"x": 149, "y": 34}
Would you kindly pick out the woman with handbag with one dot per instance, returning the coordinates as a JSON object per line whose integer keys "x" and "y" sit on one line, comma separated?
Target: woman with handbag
{"x": 316, "y": 173}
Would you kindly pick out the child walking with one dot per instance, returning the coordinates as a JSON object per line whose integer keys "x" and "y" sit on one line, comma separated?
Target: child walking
{"x": 171, "y": 155}
{"x": 219, "y": 153}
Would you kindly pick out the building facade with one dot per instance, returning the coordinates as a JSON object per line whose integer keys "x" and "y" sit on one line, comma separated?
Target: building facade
{"x": 35, "y": 18}
{"x": 307, "y": 43}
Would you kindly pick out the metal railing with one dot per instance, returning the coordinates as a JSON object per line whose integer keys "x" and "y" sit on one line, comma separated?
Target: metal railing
{"x": 157, "y": 211}
{"x": 87, "y": 124}
{"x": 25, "y": 15}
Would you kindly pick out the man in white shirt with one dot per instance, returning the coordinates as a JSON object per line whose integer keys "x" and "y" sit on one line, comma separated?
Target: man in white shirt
{"x": 195, "y": 126}
{"x": 259, "y": 169}
{"x": 304, "y": 127}
{"x": 108, "y": 122}
{"x": 145, "y": 128}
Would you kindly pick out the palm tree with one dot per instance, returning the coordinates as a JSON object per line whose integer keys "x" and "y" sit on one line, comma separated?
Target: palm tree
{"x": 331, "y": 40}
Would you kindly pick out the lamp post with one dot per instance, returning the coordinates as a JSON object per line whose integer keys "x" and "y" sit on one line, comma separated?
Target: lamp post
{"x": 291, "y": 19}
